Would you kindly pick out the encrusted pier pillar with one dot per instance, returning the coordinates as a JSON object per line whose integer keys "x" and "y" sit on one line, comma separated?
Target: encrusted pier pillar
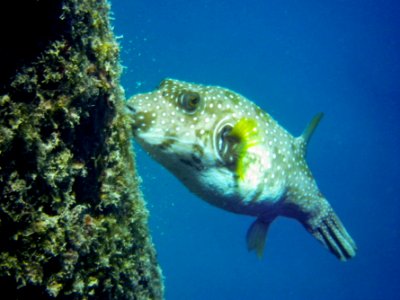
{"x": 72, "y": 219}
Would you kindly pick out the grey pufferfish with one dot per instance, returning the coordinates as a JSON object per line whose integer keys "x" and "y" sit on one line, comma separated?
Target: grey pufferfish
{"x": 235, "y": 156}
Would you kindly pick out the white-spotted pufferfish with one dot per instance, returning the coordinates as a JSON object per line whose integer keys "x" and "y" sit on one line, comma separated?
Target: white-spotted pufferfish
{"x": 235, "y": 156}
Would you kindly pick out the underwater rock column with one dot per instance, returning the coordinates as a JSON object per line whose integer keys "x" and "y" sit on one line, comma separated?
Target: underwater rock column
{"x": 73, "y": 224}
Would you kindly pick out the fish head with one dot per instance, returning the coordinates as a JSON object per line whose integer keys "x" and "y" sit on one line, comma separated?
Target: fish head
{"x": 200, "y": 133}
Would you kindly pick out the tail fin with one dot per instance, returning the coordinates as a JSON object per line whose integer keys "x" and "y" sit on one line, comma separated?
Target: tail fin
{"x": 330, "y": 231}
{"x": 256, "y": 236}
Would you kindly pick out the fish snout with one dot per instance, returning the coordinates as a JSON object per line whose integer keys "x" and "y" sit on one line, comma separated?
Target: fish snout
{"x": 140, "y": 121}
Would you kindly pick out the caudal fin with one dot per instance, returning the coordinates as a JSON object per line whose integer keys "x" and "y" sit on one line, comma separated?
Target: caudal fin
{"x": 330, "y": 231}
{"x": 256, "y": 236}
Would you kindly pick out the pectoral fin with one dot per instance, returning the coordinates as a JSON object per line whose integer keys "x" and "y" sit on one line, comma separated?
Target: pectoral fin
{"x": 256, "y": 236}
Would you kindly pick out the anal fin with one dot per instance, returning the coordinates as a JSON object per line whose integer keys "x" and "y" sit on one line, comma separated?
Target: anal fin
{"x": 256, "y": 236}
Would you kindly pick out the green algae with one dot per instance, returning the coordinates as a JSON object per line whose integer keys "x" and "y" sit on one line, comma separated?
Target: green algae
{"x": 73, "y": 224}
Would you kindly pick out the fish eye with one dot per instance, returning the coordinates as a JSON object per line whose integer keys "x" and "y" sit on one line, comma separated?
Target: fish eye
{"x": 189, "y": 101}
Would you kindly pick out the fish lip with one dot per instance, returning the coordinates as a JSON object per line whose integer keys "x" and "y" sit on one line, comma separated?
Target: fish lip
{"x": 130, "y": 112}
{"x": 219, "y": 127}
{"x": 130, "y": 109}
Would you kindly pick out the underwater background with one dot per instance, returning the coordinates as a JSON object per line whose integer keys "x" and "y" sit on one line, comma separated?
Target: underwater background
{"x": 294, "y": 59}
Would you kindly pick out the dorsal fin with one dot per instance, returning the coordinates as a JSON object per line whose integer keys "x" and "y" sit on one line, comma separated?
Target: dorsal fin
{"x": 308, "y": 132}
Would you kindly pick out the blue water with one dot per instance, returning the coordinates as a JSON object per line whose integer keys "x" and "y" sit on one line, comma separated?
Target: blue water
{"x": 294, "y": 59}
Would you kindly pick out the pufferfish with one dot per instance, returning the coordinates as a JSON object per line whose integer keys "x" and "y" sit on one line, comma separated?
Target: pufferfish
{"x": 235, "y": 156}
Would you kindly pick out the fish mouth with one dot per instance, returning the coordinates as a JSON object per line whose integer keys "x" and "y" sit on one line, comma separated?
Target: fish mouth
{"x": 140, "y": 121}
{"x": 131, "y": 112}
{"x": 130, "y": 109}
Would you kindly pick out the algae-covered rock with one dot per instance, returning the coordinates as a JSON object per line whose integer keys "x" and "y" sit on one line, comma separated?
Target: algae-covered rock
{"x": 72, "y": 219}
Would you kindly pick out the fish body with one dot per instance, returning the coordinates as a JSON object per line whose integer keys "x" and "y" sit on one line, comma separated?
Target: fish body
{"x": 235, "y": 156}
